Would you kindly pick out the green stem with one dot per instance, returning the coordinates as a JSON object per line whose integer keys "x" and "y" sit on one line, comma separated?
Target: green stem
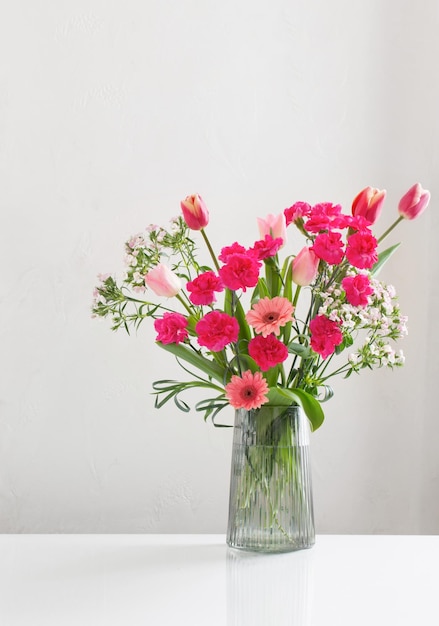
{"x": 340, "y": 370}
{"x": 296, "y": 295}
{"x": 186, "y": 306}
{"x": 209, "y": 247}
{"x": 325, "y": 365}
{"x": 389, "y": 230}
{"x": 266, "y": 488}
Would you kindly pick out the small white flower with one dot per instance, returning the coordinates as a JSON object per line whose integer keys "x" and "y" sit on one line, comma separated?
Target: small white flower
{"x": 139, "y": 288}
{"x": 391, "y": 291}
{"x": 354, "y": 358}
{"x": 103, "y": 277}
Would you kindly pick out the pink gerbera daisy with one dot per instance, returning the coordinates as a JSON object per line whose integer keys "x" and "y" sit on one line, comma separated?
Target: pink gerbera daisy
{"x": 247, "y": 392}
{"x": 269, "y": 314}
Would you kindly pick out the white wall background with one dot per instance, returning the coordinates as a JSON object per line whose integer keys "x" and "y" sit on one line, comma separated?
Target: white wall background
{"x": 110, "y": 113}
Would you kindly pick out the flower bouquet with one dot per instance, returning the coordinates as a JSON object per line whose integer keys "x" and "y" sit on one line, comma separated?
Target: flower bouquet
{"x": 264, "y": 328}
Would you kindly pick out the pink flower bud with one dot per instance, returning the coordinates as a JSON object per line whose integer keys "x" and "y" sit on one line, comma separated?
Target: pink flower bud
{"x": 195, "y": 212}
{"x": 305, "y": 267}
{"x": 368, "y": 204}
{"x": 274, "y": 225}
{"x": 414, "y": 202}
{"x": 163, "y": 281}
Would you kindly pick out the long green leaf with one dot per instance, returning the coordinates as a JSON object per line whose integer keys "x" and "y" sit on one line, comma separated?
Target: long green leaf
{"x": 208, "y": 367}
{"x": 233, "y": 307}
{"x": 311, "y": 406}
{"x": 262, "y": 289}
{"x": 244, "y": 329}
{"x": 383, "y": 257}
{"x": 288, "y": 286}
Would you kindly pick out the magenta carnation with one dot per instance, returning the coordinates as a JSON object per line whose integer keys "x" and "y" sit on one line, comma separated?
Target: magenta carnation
{"x": 329, "y": 247}
{"x": 203, "y": 287}
{"x": 322, "y": 216}
{"x": 267, "y": 351}
{"x": 267, "y": 247}
{"x": 357, "y": 222}
{"x": 240, "y": 271}
{"x": 171, "y": 328}
{"x": 298, "y": 210}
{"x": 361, "y": 250}
{"x": 357, "y": 289}
{"x": 325, "y": 335}
{"x": 215, "y": 330}
{"x": 235, "y": 248}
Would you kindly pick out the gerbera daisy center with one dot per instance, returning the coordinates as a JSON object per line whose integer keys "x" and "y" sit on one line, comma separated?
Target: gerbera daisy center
{"x": 271, "y": 317}
{"x": 270, "y": 314}
{"x": 248, "y": 392}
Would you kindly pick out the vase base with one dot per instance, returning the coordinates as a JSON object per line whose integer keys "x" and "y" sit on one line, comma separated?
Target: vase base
{"x": 263, "y": 548}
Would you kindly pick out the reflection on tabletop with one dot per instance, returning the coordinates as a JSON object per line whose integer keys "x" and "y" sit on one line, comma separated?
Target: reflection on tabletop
{"x": 269, "y": 590}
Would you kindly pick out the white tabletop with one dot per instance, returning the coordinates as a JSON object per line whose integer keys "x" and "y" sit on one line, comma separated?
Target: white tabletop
{"x": 155, "y": 580}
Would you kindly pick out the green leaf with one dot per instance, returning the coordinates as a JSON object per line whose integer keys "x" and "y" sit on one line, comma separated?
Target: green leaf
{"x": 272, "y": 376}
{"x": 211, "y": 408}
{"x": 228, "y": 299}
{"x": 299, "y": 349}
{"x": 262, "y": 289}
{"x": 288, "y": 293}
{"x": 272, "y": 276}
{"x": 244, "y": 329}
{"x": 288, "y": 287}
{"x": 383, "y": 257}
{"x": 325, "y": 393}
{"x": 205, "y": 365}
{"x": 287, "y": 266}
{"x": 233, "y": 307}
{"x": 311, "y": 406}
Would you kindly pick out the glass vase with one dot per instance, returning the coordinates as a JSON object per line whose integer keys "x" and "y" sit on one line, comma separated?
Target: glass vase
{"x": 271, "y": 505}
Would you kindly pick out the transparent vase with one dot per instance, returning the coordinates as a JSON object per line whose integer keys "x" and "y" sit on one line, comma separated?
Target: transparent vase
{"x": 271, "y": 505}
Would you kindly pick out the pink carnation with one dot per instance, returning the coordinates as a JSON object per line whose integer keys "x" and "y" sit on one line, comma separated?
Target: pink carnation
{"x": 357, "y": 222}
{"x": 323, "y": 216}
{"x": 325, "y": 335}
{"x": 361, "y": 250}
{"x": 298, "y": 210}
{"x": 267, "y": 247}
{"x": 171, "y": 328}
{"x": 357, "y": 289}
{"x": 215, "y": 330}
{"x": 240, "y": 271}
{"x": 248, "y": 392}
{"x": 203, "y": 287}
{"x": 235, "y": 248}
{"x": 329, "y": 247}
{"x": 267, "y": 351}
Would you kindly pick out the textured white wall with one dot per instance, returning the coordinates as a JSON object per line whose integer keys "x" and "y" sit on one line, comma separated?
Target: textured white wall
{"x": 110, "y": 113}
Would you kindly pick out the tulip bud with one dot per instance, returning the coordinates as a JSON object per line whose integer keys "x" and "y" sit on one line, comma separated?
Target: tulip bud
{"x": 305, "y": 267}
{"x": 163, "y": 281}
{"x": 195, "y": 212}
{"x": 368, "y": 204}
{"x": 274, "y": 225}
{"x": 414, "y": 202}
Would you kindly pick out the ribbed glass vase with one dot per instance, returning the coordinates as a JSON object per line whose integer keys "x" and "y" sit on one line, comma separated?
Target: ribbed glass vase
{"x": 271, "y": 505}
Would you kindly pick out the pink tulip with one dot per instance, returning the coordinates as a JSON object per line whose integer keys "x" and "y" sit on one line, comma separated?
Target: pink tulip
{"x": 414, "y": 202}
{"x": 195, "y": 212}
{"x": 274, "y": 225}
{"x": 305, "y": 267}
{"x": 368, "y": 204}
{"x": 163, "y": 281}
